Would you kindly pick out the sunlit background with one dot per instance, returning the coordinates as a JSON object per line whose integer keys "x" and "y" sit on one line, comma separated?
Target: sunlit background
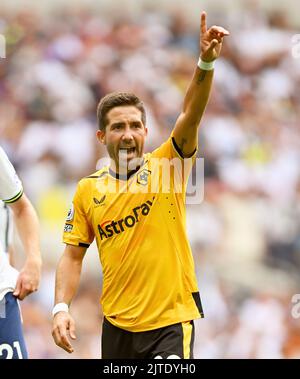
{"x": 63, "y": 56}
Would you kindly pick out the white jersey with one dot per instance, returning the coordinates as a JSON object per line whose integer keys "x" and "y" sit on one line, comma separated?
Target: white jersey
{"x": 10, "y": 191}
{"x": 6, "y": 227}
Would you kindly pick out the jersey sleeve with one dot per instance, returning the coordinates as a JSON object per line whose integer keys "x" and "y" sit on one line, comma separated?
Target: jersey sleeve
{"x": 10, "y": 185}
{"x": 182, "y": 165}
{"x": 77, "y": 229}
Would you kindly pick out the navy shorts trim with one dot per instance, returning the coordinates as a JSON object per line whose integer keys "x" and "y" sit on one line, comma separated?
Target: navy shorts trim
{"x": 12, "y": 344}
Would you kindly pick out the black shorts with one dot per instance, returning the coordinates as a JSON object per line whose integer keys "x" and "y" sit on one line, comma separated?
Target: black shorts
{"x": 173, "y": 341}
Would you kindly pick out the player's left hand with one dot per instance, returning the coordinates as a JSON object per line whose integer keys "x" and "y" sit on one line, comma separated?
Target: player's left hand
{"x": 211, "y": 40}
{"x": 29, "y": 278}
{"x": 63, "y": 327}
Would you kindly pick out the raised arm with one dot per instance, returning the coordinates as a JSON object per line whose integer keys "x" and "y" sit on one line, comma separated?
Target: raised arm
{"x": 28, "y": 228}
{"x": 67, "y": 281}
{"x": 186, "y": 128}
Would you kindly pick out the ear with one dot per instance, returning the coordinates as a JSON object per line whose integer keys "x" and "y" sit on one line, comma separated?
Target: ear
{"x": 146, "y": 131}
{"x": 101, "y": 136}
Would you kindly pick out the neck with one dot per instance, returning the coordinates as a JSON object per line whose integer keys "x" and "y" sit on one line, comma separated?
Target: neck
{"x": 125, "y": 176}
{"x": 126, "y": 169}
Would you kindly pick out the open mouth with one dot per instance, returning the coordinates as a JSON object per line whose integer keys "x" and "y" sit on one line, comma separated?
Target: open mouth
{"x": 127, "y": 150}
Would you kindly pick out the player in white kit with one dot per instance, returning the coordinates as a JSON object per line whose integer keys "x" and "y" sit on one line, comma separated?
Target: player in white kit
{"x": 15, "y": 285}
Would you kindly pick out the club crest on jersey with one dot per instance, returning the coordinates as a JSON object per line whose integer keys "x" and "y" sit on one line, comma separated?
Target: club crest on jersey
{"x": 71, "y": 212}
{"x": 142, "y": 177}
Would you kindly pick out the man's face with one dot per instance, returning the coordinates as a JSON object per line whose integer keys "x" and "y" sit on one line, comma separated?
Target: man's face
{"x": 124, "y": 136}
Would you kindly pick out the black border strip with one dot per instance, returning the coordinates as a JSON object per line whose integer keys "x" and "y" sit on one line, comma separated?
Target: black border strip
{"x": 83, "y": 244}
{"x": 177, "y": 148}
{"x": 197, "y": 299}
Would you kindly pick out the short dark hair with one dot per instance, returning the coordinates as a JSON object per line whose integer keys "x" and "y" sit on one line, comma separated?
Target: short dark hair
{"x": 117, "y": 99}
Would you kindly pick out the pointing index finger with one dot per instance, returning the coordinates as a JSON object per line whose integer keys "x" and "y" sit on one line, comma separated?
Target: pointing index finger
{"x": 203, "y": 22}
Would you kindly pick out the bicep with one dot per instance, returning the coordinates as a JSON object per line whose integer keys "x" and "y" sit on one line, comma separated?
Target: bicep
{"x": 20, "y": 205}
{"x": 74, "y": 253}
{"x": 185, "y": 134}
{"x": 78, "y": 227}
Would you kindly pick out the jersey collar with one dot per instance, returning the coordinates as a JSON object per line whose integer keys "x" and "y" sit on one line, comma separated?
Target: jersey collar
{"x": 125, "y": 176}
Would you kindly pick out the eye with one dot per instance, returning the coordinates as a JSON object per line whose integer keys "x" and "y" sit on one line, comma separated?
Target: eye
{"x": 136, "y": 125}
{"x": 117, "y": 126}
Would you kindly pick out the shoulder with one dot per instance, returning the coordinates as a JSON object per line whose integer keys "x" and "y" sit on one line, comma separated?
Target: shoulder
{"x": 165, "y": 150}
{"x": 2, "y": 154}
{"x": 170, "y": 149}
{"x": 98, "y": 174}
{"x": 10, "y": 185}
{"x": 90, "y": 180}
{"x": 7, "y": 170}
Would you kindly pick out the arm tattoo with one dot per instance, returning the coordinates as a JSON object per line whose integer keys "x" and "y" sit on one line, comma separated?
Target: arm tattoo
{"x": 182, "y": 143}
{"x": 201, "y": 77}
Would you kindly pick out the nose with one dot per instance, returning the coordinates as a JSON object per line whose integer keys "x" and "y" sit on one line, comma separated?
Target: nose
{"x": 127, "y": 135}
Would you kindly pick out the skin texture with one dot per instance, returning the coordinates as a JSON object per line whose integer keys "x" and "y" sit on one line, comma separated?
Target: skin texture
{"x": 125, "y": 129}
{"x": 197, "y": 95}
{"x": 67, "y": 281}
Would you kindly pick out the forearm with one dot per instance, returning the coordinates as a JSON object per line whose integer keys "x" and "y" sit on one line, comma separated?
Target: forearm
{"x": 67, "y": 279}
{"x": 198, "y": 92}
{"x": 27, "y": 225}
{"x": 197, "y": 96}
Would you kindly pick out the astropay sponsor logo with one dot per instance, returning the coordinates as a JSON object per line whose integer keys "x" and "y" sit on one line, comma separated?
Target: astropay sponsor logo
{"x": 111, "y": 227}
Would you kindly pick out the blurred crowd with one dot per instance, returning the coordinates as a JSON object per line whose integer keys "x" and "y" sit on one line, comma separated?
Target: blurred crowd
{"x": 245, "y": 235}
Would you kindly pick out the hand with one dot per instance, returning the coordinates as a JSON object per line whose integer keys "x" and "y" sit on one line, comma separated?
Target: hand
{"x": 63, "y": 322}
{"x": 211, "y": 40}
{"x": 28, "y": 279}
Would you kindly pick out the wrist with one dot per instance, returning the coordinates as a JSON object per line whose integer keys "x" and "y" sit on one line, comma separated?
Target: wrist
{"x": 60, "y": 307}
{"x": 206, "y": 66}
{"x": 34, "y": 258}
